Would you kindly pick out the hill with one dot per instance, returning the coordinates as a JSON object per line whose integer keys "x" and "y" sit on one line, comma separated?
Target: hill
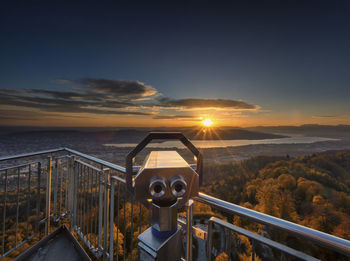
{"x": 312, "y": 190}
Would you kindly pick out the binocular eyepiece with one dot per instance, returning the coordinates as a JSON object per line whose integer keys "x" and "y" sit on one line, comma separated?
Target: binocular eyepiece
{"x": 158, "y": 187}
{"x": 178, "y": 186}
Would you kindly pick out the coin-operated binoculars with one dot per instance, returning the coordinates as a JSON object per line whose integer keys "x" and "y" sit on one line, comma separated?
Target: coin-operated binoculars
{"x": 164, "y": 183}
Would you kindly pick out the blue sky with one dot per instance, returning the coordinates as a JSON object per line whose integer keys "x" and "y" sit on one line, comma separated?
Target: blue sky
{"x": 288, "y": 60}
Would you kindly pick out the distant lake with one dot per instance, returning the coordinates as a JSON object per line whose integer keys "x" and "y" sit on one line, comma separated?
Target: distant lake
{"x": 228, "y": 143}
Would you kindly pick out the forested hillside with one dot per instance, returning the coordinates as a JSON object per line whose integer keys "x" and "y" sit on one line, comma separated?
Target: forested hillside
{"x": 311, "y": 190}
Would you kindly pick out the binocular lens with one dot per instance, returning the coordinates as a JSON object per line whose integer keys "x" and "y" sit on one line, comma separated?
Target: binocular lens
{"x": 178, "y": 186}
{"x": 157, "y": 187}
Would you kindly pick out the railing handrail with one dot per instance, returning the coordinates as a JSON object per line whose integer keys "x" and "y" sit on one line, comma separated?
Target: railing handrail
{"x": 31, "y": 154}
{"x": 96, "y": 160}
{"x": 92, "y": 158}
{"x": 332, "y": 242}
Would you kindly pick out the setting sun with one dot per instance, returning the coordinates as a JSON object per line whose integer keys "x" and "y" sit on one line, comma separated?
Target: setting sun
{"x": 207, "y": 122}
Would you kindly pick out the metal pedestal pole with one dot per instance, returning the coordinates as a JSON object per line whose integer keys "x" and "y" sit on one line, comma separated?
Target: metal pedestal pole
{"x": 152, "y": 248}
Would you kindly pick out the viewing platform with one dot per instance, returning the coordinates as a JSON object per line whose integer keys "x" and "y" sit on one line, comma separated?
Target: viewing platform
{"x": 61, "y": 192}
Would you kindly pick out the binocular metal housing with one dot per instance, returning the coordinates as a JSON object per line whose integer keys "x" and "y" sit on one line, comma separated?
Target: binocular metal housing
{"x": 165, "y": 177}
{"x": 165, "y": 182}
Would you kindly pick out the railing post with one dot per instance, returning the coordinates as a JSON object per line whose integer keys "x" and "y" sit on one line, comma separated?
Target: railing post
{"x": 106, "y": 208}
{"x": 75, "y": 184}
{"x": 17, "y": 203}
{"x": 55, "y": 190}
{"x": 189, "y": 221}
{"x": 48, "y": 195}
{"x": 100, "y": 209}
{"x": 111, "y": 221}
{"x": 38, "y": 199}
{"x": 71, "y": 190}
{"x": 228, "y": 240}
{"x": 209, "y": 240}
{"x": 4, "y": 213}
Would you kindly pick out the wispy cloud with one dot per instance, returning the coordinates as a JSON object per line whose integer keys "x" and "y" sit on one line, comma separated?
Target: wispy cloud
{"x": 326, "y": 116}
{"x": 112, "y": 97}
{"x": 173, "y": 117}
{"x": 206, "y": 103}
{"x": 118, "y": 89}
{"x": 34, "y": 115}
{"x": 62, "y": 80}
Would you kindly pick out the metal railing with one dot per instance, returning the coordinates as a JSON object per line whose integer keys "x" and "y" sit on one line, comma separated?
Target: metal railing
{"x": 64, "y": 185}
{"x": 254, "y": 238}
{"x": 310, "y": 235}
{"x": 21, "y": 198}
{"x": 38, "y": 191}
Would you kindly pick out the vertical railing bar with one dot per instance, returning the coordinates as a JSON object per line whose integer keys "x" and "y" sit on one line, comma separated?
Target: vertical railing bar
{"x": 64, "y": 184}
{"x": 70, "y": 188}
{"x": 75, "y": 213}
{"x": 82, "y": 169}
{"x": 48, "y": 195}
{"x": 229, "y": 245}
{"x": 225, "y": 237}
{"x": 92, "y": 208}
{"x": 209, "y": 240}
{"x": 4, "y": 213}
{"x": 80, "y": 204}
{"x": 63, "y": 188}
{"x": 105, "y": 223}
{"x": 17, "y": 204}
{"x": 55, "y": 190}
{"x": 124, "y": 245}
{"x": 85, "y": 185}
{"x": 90, "y": 205}
{"x": 86, "y": 213}
{"x": 85, "y": 178}
{"x": 140, "y": 216}
{"x": 77, "y": 226}
{"x": 59, "y": 184}
{"x": 132, "y": 225}
{"x": 283, "y": 257}
{"x": 253, "y": 250}
{"x": 28, "y": 198}
{"x": 60, "y": 168}
{"x": 226, "y": 240}
{"x": 67, "y": 183}
{"x": 108, "y": 203}
{"x": 100, "y": 200}
{"x": 189, "y": 221}
{"x": 111, "y": 221}
{"x": 82, "y": 198}
{"x": 118, "y": 193}
{"x": 68, "y": 174}
{"x": 96, "y": 208}
{"x": 39, "y": 198}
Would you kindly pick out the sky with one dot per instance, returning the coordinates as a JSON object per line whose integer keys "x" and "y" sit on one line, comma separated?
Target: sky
{"x": 174, "y": 63}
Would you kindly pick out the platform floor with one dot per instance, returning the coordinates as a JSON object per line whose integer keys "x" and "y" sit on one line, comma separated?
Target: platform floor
{"x": 59, "y": 245}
